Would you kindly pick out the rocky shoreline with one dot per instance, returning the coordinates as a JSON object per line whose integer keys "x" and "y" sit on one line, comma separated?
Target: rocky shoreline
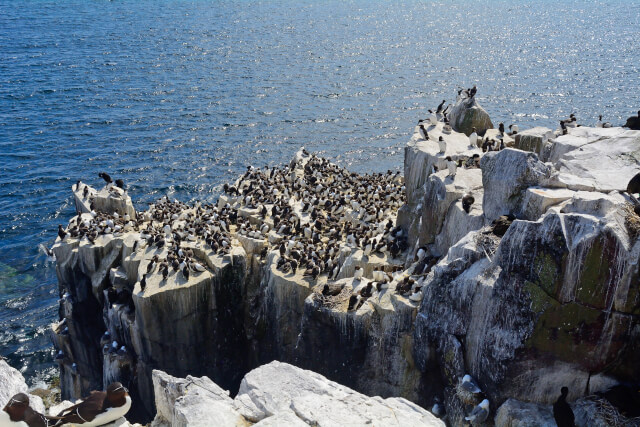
{"x": 532, "y": 287}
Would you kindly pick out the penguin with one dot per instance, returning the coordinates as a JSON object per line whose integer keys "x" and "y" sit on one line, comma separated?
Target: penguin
{"x": 99, "y": 408}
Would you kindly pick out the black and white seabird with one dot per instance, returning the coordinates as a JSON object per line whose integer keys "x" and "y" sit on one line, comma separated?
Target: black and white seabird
{"x": 18, "y": 413}
{"x": 106, "y": 177}
{"x": 101, "y": 407}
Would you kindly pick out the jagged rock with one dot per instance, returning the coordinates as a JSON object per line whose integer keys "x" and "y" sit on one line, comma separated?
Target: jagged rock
{"x": 192, "y": 402}
{"x": 278, "y": 387}
{"x": 467, "y": 114}
{"x": 506, "y": 175}
{"x": 533, "y": 140}
{"x": 514, "y": 413}
{"x": 11, "y": 383}
{"x": 596, "y": 159}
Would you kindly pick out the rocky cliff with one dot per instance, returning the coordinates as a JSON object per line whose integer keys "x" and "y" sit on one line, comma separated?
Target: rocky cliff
{"x": 389, "y": 286}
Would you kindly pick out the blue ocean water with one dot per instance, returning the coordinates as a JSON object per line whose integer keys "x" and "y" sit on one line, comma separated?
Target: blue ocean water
{"x": 177, "y": 97}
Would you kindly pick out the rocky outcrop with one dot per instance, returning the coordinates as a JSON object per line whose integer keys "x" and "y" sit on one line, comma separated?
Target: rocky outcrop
{"x": 278, "y": 394}
{"x": 531, "y": 287}
{"x": 11, "y": 383}
{"x": 535, "y": 140}
{"x": 467, "y": 114}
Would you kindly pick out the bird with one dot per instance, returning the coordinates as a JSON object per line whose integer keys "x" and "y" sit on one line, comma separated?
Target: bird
{"x": 600, "y": 124}
{"x": 501, "y": 128}
{"x": 451, "y": 166}
{"x": 633, "y": 187}
{"x": 357, "y": 274}
{"x": 442, "y": 145}
{"x": 143, "y": 282}
{"x": 562, "y": 411}
{"x": 51, "y": 257}
{"x": 514, "y": 129}
{"x": 120, "y": 183}
{"x": 473, "y": 91}
{"x": 473, "y": 138}
{"x": 480, "y": 413}
{"x": 433, "y": 118}
{"x": 425, "y": 134}
{"x": 18, "y": 413}
{"x": 106, "y": 177}
{"x": 61, "y": 233}
{"x": 441, "y": 106}
{"x": 469, "y": 385}
{"x": 467, "y": 201}
{"x": 633, "y": 122}
{"x": 99, "y": 408}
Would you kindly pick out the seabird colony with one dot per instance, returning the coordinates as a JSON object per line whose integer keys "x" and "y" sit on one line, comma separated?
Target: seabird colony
{"x": 310, "y": 213}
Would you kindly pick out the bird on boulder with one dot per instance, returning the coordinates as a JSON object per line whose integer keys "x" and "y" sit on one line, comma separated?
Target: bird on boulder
{"x": 467, "y": 201}
{"x": 633, "y": 123}
{"x": 99, "y": 408}
{"x": 18, "y": 413}
{"x": 106, "y": 177}
{"x": 473, "y": 138}
{"x": 442, "y": 145}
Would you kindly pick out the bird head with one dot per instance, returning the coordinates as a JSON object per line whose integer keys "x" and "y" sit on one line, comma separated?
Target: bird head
{"x": 116, "y": 391}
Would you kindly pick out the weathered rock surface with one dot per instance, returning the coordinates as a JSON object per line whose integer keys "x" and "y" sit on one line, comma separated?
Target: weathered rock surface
{"x": 546, "y": 297}
{"x": 534, "y": 140}
{"x": 11, "y": 383}
{"x": 279, "y": 394}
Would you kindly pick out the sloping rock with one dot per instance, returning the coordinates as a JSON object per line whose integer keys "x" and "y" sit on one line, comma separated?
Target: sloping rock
{"x": 533, "y": 140}
{"x": 514, "y": 413}
{"x": 192, "y": 402}
{"x": 596, "y": 159}
{"x": 11, "y": 383}
{"x": 506, "y": 175}
{"x": 467, "y": 114}
{"x": 279, "y": 387}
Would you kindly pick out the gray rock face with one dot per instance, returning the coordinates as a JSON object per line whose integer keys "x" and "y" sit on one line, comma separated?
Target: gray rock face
{"x": 279, "y": 394}
{"x": 534, "y": 140}
{"x": 552, "y": 300}
{"x": 467, "y": 114}
{"x": 506, "y": 175}
{"x": 11, "y": 383}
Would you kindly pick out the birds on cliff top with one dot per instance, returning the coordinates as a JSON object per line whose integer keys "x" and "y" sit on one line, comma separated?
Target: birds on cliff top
{"x": 17, "y": 412}
{"x": 602, "y": 124}
{"x": 99, "y": 408}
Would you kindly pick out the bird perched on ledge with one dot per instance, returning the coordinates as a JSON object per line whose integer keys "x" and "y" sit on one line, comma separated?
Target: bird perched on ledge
{"x": 101, "y": 407}
{"x": 18, "y": 413}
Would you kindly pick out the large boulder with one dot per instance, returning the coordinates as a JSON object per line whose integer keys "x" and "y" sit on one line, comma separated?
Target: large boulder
{"x": 534, "y": 140}
{"x": 506, "y": 175}
{"x": 11, "y": 383}
{"x": 596, "y": 159}
{"x": 467, "y": 114}
{"x": 278, "y": 387}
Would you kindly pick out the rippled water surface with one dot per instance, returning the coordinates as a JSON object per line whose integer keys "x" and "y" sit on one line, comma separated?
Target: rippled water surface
{"x": 177, "y": 97}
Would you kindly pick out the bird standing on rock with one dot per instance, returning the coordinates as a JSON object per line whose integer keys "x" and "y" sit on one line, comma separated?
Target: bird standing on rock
{"x": 467, "y": 201}
{"x": 479, "y": 414}
{"x": 18, "y": 413}
{"x": 106, "y": 177}
{"x": 562, "y": 411}
{"x": 442, "y": 145}
{"x": 101, "y": 407}
{"x": 473, "y": 138}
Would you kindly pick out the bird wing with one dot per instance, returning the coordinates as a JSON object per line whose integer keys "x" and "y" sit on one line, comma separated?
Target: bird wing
{"x": 85, "y": 410}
